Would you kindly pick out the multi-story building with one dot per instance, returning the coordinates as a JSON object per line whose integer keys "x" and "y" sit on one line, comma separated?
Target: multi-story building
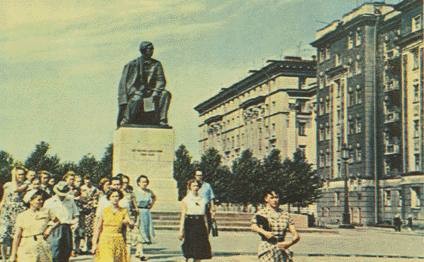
{"x": 271, "y": 108}
{"x": 366, "y": 102}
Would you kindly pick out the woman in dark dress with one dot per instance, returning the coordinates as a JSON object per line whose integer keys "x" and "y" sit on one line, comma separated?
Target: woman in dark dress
{"x": 193, "y": 225}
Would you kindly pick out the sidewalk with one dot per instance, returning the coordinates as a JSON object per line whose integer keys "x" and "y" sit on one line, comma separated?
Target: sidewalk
{"x": 360, "y": 244}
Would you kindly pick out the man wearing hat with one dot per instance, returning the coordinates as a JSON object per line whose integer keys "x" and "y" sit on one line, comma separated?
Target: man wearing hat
{"x": 66, "y": 210}
{"x": 143, "y": 78}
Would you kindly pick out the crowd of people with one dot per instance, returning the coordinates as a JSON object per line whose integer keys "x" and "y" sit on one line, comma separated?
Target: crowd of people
{"x": 42, "y": 220}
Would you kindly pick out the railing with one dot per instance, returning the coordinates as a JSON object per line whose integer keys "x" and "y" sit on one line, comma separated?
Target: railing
{"x": 392, "y": 54}
{"x": 392, "y": 86}
{"x": 392, "y": 149}
{"x": 391, "y": 117}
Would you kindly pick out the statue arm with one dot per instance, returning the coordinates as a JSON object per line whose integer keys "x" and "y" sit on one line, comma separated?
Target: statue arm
{"x": 160, "y": 79}
{"x": 122, "y": 90}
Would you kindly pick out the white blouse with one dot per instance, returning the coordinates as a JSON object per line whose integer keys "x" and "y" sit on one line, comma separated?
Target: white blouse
{"x": 196, "y": 205}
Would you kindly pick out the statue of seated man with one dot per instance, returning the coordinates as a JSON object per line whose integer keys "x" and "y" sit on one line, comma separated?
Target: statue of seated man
{"x": 142, "y": 97}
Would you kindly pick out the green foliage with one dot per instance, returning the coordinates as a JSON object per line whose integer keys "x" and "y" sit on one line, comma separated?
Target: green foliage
{"x": 183, "y": 170}
{"x": 246, "y": 186}
{"x": 6, "y": 166}
{"x": 40, "y": 160}
{"x": 104, "y": 167}
{"x": 302, "y": 185}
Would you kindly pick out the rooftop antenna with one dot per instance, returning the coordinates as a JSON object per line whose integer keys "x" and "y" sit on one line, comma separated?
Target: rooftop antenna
{"x": 298, "y": 48}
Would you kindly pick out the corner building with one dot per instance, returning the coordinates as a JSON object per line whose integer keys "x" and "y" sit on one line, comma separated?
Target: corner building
{"x": 272, "y": 108}
{"x": 364, "y": 102}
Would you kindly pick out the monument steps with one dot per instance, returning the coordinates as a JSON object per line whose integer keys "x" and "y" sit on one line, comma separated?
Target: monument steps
{"x": 226, "y": 221}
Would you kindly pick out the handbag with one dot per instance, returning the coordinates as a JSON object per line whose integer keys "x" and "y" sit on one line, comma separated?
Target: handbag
{"x": 214, "y": 228}
{"x": 289, "y": 254}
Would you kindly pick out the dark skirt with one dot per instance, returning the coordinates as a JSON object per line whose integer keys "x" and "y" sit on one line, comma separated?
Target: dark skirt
{"x": 196, "y": 240}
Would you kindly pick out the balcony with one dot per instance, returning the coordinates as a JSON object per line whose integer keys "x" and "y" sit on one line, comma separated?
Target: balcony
{"x": 391, "y": 117}
{"x": 392, "y": 149}
{"x": 392, "y": 54}
{"x": 392, "y": 86}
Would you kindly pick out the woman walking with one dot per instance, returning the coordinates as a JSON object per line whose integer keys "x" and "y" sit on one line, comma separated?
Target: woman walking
{"x": 111, "y": 245}
{"x": 193, "y": 225}
{"x": 32, "y": 230}
{"x": 11, "y": 205}
{"x": 145, "y": 199}
{"x": 272, "y": 224}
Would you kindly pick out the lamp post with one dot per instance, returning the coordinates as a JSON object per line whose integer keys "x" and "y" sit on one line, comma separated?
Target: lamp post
{"x": 346, "y": 213}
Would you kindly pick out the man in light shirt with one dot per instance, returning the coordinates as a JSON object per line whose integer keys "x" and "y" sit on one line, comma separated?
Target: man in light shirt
{"x": 67, "y": 212}
{"x": 206, "y": 192}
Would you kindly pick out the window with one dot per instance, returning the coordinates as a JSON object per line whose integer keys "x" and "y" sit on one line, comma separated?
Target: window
{"x": 301, "y": 128}
{"x": 328, "y": 107}
{"x": 324, "y": 107}
{"x": 351, "y": 127}
{"x": 322, "y": 55}
{"x": 416, "y": 128}
{"x": 358, "y": 96}
{"x": 338, "y": 59}
{"x": 417, "y": 162}
{"x": 324, "y": 160}
{"x": 327, "y": 54}
{"x": 328, "y": 159}
{"x": 328, "y": 133}
{"x": 358, "y": 155}
{"x": 400, "y": 198}
{"x": 358, "y": 39}
{"x": 416, "y": 23}
{"x": 358, "y": 125}
{"x": 273, "y": 129}
{"x": 302, "y": 149}
{"x": 337, "y": 198}
{"x": 416, "y": 145}
{"x": 416, "y": 93}
{"x": 339, "y": 143}
{"x": 352, "y": 98}
{"x": 339, "y": 116}
{"x": 350, "y": 42}
{"x": 358, "y": 69}
{"x": 415, "y": 197}
{"x": 387, "y": 198}
{"x": 322, "y": 83}
{"x": 415, "y": 59}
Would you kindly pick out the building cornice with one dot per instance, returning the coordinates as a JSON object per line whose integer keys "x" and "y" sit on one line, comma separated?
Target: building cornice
{"x": 276, "y": 68}
{"x": 407, "y": 5}
{"x": 409, "y": 38}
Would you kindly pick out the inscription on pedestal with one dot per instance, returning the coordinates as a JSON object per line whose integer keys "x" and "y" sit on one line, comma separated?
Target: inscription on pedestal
{"x": 146, "y": 154}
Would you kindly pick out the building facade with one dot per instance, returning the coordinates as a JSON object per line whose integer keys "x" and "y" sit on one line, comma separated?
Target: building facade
{"x": 369, "y": 100}
{"x": 272, "y": 108}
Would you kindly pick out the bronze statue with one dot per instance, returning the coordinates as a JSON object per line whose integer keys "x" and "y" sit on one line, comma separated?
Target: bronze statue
{"x": 142, "y": 97}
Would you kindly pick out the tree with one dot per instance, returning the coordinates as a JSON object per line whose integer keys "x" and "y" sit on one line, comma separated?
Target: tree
{"x": 217, "y": 175}
{"x": 40, "y": 160}
{"x": 104, "y": 166}
{"x": 87, "y": 165}
{"x": 6, "y": 166}
{"x": 303, "y": 186}
{"x": 183, "y": 170}
{"x": 246, "y": 186}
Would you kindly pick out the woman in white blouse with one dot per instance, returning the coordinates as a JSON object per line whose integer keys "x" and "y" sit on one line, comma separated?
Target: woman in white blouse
{"x": 193, "y": 227}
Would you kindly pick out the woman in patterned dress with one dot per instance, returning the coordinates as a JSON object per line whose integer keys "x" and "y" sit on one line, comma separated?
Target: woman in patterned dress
{"x": 272, "y": 224}
{"x": 111, "y": 245}
{"x": 32, "y": 230}
{"x": 10, "y": 206}
{"x": 145, "y": 199}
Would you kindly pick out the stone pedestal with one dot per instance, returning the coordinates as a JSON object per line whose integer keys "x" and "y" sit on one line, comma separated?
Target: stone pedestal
{"x": 148, "y": 151}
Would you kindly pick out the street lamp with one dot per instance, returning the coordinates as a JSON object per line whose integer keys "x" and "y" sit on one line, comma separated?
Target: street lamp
{"x": 346, "y": 213}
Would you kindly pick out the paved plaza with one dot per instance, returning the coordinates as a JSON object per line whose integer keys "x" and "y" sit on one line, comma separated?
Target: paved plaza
{"x": 360, "y": 244}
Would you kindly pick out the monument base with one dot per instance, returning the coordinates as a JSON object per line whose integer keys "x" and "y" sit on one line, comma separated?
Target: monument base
{"x": 148, "y": 151}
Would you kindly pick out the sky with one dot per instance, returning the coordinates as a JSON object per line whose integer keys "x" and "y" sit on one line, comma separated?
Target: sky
{"x": 61, "y": 61}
